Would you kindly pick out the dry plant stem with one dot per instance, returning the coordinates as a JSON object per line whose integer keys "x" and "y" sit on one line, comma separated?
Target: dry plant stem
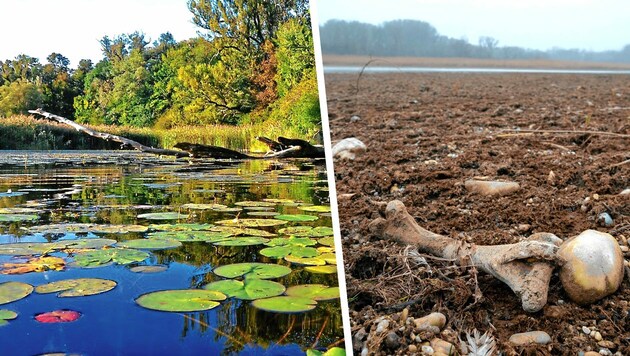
{"x": 109, "y": 137}
{"x": 601, "y": 133}
{"x": 523, "y": 266}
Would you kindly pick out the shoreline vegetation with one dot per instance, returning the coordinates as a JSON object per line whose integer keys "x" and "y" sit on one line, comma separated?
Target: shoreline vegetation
{"x": 237, "y": 80}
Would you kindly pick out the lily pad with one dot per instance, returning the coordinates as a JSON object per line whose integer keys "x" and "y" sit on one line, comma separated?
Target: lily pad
{"x": 322, "y": 231}
{"x": 335, "y": 351}
{"x": 191, "y": 236}
{"x": 250, "y": 289}
{"x": 17, "y": 217}
{"x": 309, "y": 231}
{"x": 58, "y": 316}
{"x": 242, "y": 231}
{"x": 280, "y": 201}
{"x": 255, "y": 203}
{"x": 150, "y": 244}
{"x": 327, "y": 241}
{"x": 160, "y": 185}
{"x": 82, "y": 244}
{"x": 251, "y": 222}
{"x": 26, "y": 248}
{"x": 308, "y": 261}
{"x": 328, "y": 269}
{"x": 263, "y": 213}
{"x": 163, "y": 216}
{"x": 330, "y": 258}
{"x": 181, "y": 300}
{"x": 120, "y": 256}
{"x": 285, "y": 304}
{"x": 12, "y": 291}
{"x": 18, "y": 211}
{"x": 315, "y": 208}
{"x": 5, "y": 315}
{"x": 314, "y": 291}
{"x": 194, "y": 206}
{"x": 148, "y": 269}
{"x": 180, "y": 227}
{"x": 77, "y": 287}
{"x": 284, "y": 251}
{"x": 296, "y": 217}
{"x": 252, "y": 270}
{"x": 35, "y": 264}
{"x": 242, "y": 241}
{"x": 291, "y": 241}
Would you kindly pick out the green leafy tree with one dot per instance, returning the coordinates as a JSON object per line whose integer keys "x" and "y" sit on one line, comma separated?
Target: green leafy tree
{"x": 18, "y": 97}
{"x": 295, "y": 54}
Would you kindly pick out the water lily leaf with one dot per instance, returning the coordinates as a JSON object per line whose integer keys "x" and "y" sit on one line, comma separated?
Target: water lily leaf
{"x": 252, "y": 270}
{"x": 330, "y": 258}
{"x": 328, "y": 269}
{"x": 160, "y": 185}
{"x": 180, "y": 227}
{"x": 251, "y": 222}
{"x": 85, "y": 228}
{"x": 284, "y": 251}
{"x": 12, "y": 291}
{"x": 77, "y": 287}
{"x": 190, "y": 236}
{"x": 194, "y": 206}
{"x": 82, "y": 244}
{"x": 314, "y": 291}
{"x": 250, "y": 289}
{"x": 280, "y": 201}
{"x": 327, "y": 241}
{"x": 182, "y": 300}
{"x": 120, "y": 256}
{"x": 19, "y": 211}
{"x": 309, "y": 231}
{"x": 325, "y": 249}
{"x": 6, "y": 315}
{"x": 285, "y": 304}
{"x": 26, "y": 248}
{"x": 235, "y": 231}
{"x": 36, "y": 264}
{"x": 291, "y": 241}
{"x": 322, "y": 231}
{"x": 242, "y": 241}
{"x": 234, "y": 209}
{"x": 17, "y": 217}
{"x": 263, "y": 213}
{"x": 150, "y": 244}
{"x": 58, "y": 316}
{"x": 148, "y": 269}
{"x": 296, "y": 217}
{"x": 315, "y": 208}
{"x": 255, "y": 203}
{"x": 335, "y": 351}
{"x": 163, "y": 216}
{"x": 308, "y": 261}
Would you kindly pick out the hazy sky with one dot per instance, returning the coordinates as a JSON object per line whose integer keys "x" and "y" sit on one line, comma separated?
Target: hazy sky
{"x": 74, "y": 27}
{"x": 537, "y": 24}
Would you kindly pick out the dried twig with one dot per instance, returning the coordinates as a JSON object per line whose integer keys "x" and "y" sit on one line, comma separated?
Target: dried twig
{"x": 600, "y": 133}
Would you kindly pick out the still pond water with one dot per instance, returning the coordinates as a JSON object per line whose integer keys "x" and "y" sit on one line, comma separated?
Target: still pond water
{"x": 51, "y": 200}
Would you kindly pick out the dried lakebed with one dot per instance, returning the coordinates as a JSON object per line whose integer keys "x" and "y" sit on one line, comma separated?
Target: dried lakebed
{"x": 106, "y": 253}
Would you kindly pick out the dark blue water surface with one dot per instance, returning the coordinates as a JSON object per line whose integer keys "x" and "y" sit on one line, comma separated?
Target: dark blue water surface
{"x": 70, "y": 190}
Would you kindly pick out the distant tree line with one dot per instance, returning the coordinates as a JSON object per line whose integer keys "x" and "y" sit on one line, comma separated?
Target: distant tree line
{"x": 414, "y": 38}
{"x": 253, "y": 59}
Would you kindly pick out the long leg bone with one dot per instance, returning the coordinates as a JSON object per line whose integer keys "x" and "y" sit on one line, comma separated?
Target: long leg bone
{"x": 523, "y": 266}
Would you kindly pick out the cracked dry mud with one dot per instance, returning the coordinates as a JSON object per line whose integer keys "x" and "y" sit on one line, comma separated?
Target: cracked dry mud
{"x": 426, "y": 134}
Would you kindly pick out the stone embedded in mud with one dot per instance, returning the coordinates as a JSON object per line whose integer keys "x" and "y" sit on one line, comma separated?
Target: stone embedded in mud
{"x": 497, "y": 188}
{"x": 392, "y": 340}
{"x": 437, "y": 320}
{"x": 604, "y": 219}
{"x": 625, "y": 192}
{"x": 442, "y": 346}
{"x": 531, "y": 337}
{"x": 593, "y": 266}
{"x": 348, "y": 148}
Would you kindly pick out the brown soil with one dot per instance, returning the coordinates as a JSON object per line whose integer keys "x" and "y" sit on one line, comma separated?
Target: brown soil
{"x": 426, "y": 134}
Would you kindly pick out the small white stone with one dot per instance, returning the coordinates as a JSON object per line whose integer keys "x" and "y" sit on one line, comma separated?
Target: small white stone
{"x": 382, "y": 326}
{"x": 598, "y": 336}
{"x": 428, "y": 350}
{"x": 586, "y": 330}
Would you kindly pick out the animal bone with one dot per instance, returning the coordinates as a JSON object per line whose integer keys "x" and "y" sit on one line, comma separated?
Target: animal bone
{"x": 523, "y": 266}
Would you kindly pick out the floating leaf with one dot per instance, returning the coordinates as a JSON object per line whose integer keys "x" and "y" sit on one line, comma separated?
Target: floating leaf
{"x": 17, "y": 217}
{"x": 160, "y": 185}
{"x": 326, "y": 249}
{"x": 296, "y": 217}
{"x": 190, "y": 236}
{"x": 335, "y": 351}
{"x": 263, "y": 213}
{"x": 82, "y": 244}
{"x": 285, "y": 304}
{"x": 58, "y": 316}
{"x": 163, "y": 216}
{"x": 255, "y": 203}
{"x": 148, "y": 269}
{"x": 77, "y": 287}
{"x": 309, "y": 231}
{"x": 252, "y": 270}
{"x": 12, "y": 291}
{"x": 5, "y": 315}
{"x": 251, "y": 222}
{"x": 322, "y": 231}
{"x": 280, "y": 201}
{"x": 85, "y": 228}
{"x": 284, "y": 251}
{"x": 327, "y": 241}
{"x": 118, "y": 255}
{"x": 330, "y": 258}
{"x": 309, "y": 261}
{"x": 250, "y": 289}
{"x": 315, "y": 208}
{"x": 18, "y": 211}
{"x": 291, "y": 241}
{"x": 180, "y": 227}
{"x": 193, "y": 206}
{"x": 26, "y": 248}
{"x": 150, "y": 244}
{"x": 37, "y": 264}
{"x": 321, "y": 269}
{"x": 240, "y": 231}
{"x": 242, "y": 241}
{"x": 183, "y": 300}
{"x": 314, "y": 291}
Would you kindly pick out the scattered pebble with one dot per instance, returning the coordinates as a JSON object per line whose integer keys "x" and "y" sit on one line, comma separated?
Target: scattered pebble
{"x": 428, "y": 350}
{"x": 597, "y": 336}
{"x": 607, "y": 344}
{"x": 412, "y": 349}
{"x": 382, "y": 326}
{"x": 442, "y": 346}
{"x": 531, "y": 337}
{"x": 491, "y": 187}
{"x": 604, "y": 219}
{"x": 392, "y": 340}
{"x": 524, "y": 227}
{"x": 434, "y": 319}
{"x": 355, "y": 118}
{"x": 586, "y": 330}
{"x": 551, "y": 178}
{"x": 348, "y": 148}
{"x": 591, "y": 353}
{"x": 404, "y": 314}
{"x": 625, "y": 192}
{"x": 358, "y": 338}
